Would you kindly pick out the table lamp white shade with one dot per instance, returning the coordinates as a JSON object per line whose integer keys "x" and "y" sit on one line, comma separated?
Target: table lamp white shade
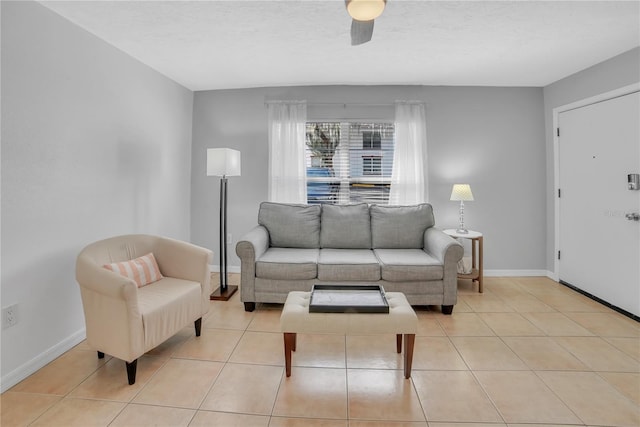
{"x": 461, "y": 192}
{"x": 223, "y": 162}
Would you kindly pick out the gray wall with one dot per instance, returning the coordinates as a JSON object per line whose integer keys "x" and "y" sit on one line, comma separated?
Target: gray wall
{"x": 491, "y": 138}
{"x": 94, "y": 144}
{"x": 617, "y": 72}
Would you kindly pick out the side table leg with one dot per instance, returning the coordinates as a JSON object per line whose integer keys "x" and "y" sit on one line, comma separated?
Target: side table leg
{"x": 409, "y": 340}
{"x": 289, "y": 345}
{"x": 480, "y": 267}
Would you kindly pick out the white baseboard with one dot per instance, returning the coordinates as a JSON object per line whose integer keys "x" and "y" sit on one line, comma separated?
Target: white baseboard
{"x": 230, "y": 268}
{"x": 517, "y": 273}
{"x": 49, "y": 355}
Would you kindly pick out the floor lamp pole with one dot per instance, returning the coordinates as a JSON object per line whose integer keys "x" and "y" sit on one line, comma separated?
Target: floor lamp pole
{"x": 225, "y": 291}
{"x": 223, "y": 234}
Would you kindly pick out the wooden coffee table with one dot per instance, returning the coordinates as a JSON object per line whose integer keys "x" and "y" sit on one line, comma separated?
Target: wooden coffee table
{"x": 401, "y": 320}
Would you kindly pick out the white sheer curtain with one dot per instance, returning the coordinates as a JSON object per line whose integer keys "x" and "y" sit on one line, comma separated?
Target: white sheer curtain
{"x": 408, "y": 182}
{"x": 287, "y": 169}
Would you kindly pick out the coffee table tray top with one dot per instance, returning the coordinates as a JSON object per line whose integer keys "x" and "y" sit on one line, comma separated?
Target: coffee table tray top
{"x": 348, "y": 299}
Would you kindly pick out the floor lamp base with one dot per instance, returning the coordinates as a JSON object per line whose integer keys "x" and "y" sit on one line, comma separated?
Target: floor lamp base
{"x": 219, "y": 295}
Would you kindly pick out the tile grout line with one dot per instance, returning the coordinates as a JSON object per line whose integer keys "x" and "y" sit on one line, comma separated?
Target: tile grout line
{"x": 226, "y": 361}
{"x": 346, "y": 378}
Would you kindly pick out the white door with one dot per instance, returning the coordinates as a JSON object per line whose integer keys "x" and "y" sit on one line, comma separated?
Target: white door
{"x": 598, "y": 145}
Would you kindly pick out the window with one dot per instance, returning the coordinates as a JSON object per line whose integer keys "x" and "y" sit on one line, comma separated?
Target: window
{"x": 372, "y": 165}
{"x": 349, "y": 162}
{"x": 371, "y": 140}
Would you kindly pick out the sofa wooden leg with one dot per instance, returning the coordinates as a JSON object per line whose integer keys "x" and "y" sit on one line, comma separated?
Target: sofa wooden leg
{"x": 399, "y": 343}
{"x": 447, "y": 309}
{"x": 100, "y": 355}
{"x": 249, "y": 306}
{"x": 131, "y": 371}
{"x": 198, "y": 325}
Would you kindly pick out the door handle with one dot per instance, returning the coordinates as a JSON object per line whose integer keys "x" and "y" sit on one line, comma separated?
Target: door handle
{"x": 633, "y": 216}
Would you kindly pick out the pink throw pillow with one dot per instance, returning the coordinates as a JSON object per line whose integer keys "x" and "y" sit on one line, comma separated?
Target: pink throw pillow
{"x": 142, "y": 270}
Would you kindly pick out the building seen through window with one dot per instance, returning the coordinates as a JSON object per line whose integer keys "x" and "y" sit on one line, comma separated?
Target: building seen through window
{"x": 349, "y": 162}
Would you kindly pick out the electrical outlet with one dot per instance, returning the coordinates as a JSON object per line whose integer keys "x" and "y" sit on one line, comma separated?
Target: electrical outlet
{"x": 9, "y": 316}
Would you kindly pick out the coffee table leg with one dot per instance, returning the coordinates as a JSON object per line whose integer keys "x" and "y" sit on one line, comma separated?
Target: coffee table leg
{"x": 409, "y": 340}
{"x": 289, "y": 345}
{"x": 399, "y": 343}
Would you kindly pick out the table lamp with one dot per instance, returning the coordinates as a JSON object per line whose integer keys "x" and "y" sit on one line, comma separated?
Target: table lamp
{"x": 463, "y": 193}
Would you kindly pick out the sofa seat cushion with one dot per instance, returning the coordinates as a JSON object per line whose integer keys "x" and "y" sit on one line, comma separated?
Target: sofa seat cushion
{"x": 167, "y": 306}
{"x": 348, "y": 264}
{"x": 288, "y": 264}
{"x": 403, "y": 265}
{"x": 345, "y": 227}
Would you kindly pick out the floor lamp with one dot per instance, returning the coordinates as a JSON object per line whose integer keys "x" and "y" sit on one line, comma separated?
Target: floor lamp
{"x": 223, "y": 162}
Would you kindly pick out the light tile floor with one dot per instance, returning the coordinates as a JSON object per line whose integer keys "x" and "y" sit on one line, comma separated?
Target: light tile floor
{"x": 527, "y": 352}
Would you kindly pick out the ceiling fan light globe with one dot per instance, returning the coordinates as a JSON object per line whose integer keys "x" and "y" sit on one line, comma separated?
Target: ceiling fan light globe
{"x": 365, "y": 10}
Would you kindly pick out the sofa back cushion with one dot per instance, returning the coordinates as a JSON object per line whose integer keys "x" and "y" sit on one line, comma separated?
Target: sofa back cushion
{"x": 345, "y": 227}
{"x": 400, "y": 227}
{"x": 291, "y": 226}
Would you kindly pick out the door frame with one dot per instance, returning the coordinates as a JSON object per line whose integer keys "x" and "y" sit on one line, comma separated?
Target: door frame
{"x": 616, "y": 93}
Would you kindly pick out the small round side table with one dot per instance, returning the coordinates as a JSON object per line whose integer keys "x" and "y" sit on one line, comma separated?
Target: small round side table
{"x": 476, "y": 273}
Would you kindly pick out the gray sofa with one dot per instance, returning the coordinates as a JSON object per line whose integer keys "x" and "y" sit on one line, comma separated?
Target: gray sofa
{"x": 296, "y": 246}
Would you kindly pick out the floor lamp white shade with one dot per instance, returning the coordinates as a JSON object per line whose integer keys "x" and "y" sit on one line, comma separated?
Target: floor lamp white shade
{"x": 223, "y": 162}
{"x": 461, "y": 192}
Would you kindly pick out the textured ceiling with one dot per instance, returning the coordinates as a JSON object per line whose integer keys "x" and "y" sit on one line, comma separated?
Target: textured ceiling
{"x": 235, "y": 44}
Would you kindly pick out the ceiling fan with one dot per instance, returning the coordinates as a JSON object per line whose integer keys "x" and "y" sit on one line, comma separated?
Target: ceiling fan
{"x": 363, "y": 12}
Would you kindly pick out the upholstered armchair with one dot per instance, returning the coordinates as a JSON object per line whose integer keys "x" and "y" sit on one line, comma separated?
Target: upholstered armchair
{"x": 134, "y": 301}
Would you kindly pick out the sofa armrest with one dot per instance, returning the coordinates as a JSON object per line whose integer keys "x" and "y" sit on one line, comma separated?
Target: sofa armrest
{"x": 183, "y": 260}
{"x": 442, "y": 246}
{"x": 249, "y": 248}
{"x": 253, "y": 244}
{"x": 104, "y": 282}
{"x": 110, "y": 303}
{"x": 448, "y": 251}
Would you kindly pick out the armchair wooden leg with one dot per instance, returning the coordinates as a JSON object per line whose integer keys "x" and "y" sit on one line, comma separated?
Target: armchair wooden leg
{"x": 100, "y": 355}
{"x": 131, "y": 371}
{"x": 198, "y": 325}
{"x": 447, "y": 309}
{"x": 249, "y": 306}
